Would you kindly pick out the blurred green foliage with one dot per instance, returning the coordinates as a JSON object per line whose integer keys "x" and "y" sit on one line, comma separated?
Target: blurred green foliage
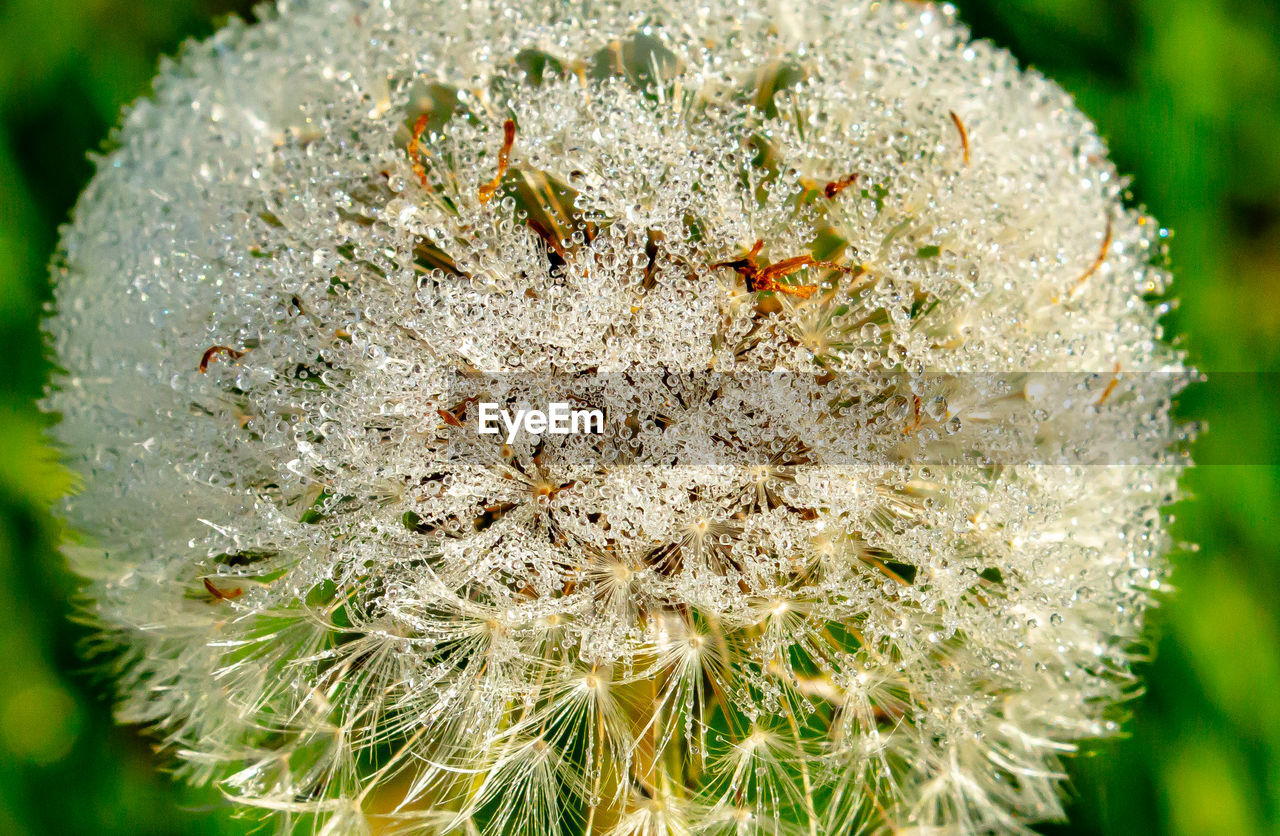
{"x": 1188, "y": 94}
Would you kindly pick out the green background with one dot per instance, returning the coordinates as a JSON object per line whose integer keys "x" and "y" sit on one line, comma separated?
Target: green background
{"x": 1188, "y": 94}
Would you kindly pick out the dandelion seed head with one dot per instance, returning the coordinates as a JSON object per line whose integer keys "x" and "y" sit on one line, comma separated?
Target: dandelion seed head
{"x": 865, "y": 307}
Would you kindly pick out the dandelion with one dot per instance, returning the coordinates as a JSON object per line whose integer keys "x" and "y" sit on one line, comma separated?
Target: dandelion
{"x": 864, "y": 308}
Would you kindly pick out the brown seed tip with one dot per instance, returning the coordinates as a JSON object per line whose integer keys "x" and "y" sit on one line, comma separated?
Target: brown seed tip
{"x": 1097, "y": 262}
{"x": 504, "y": 159}
{"x": 964, "y": 134}
{"x": 414, "y": 149}
{"x": 213, "y": 351}
{"x": 221, "y": 594}
{"x": 835, "y": 187}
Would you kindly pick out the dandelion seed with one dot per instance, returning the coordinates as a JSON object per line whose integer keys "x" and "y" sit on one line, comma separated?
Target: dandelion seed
{"x": 774, "y": 596}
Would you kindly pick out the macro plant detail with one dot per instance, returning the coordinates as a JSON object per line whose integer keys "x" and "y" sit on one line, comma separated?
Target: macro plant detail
{"x": 867, "y": 309}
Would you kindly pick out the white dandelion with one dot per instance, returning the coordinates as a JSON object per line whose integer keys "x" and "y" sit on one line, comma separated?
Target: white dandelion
{"x": 866, "y": 312}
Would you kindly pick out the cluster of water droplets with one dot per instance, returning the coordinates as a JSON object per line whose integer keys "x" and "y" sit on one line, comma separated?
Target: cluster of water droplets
{"x": 867, "y": 314}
